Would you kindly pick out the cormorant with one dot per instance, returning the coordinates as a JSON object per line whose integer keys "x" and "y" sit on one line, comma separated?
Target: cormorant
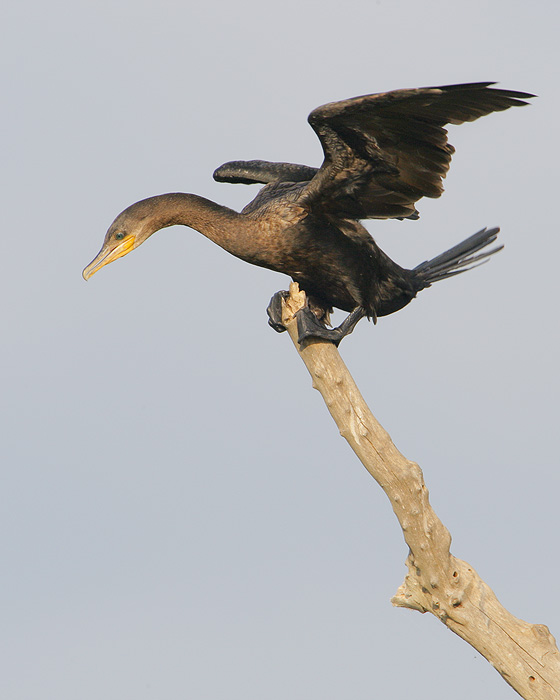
{"x": 382, "y": 153}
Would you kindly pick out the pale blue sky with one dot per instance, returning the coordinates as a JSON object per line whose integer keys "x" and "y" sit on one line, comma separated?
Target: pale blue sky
{"x": 180, "y": 517}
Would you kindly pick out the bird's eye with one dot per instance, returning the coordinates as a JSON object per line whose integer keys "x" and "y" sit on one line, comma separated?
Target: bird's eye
{"x": 119, "y": 236}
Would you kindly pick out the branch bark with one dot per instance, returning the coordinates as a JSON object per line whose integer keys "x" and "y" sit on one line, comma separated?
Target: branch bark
{"x": 524, "y": 654}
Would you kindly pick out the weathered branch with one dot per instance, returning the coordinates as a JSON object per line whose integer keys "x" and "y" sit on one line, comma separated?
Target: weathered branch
{"x": 524, "y": 654}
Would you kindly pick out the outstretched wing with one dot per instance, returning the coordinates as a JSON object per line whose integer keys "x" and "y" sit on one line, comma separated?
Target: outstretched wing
{"x": 384, "y": 152}
{"x": 250, "y": 172}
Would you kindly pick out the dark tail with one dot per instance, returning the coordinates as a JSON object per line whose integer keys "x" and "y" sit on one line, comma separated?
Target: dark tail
{"x": 460, "y": 258}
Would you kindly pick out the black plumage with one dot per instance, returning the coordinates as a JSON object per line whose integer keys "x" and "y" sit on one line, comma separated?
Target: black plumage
{"x": 382, "y": 153}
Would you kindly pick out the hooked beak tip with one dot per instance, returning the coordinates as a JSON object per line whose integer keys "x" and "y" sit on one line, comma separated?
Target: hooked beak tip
{"x": 107, "y": 255}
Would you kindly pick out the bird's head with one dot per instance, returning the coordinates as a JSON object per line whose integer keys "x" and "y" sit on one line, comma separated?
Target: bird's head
{"x": 130, "y": 229}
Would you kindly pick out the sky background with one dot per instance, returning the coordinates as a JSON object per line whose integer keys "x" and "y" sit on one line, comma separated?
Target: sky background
{"x": 180, "y": 517}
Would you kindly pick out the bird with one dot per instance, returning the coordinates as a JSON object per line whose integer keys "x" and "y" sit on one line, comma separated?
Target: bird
{"x": 382, "y": 153}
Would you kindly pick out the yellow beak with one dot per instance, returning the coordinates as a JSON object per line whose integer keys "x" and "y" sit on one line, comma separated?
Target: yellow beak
{"x": 107, "y": 254}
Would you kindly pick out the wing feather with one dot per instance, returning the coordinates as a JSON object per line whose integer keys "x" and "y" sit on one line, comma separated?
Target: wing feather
{"x": 384, "y": 152}
{"x": 250, "y": 172}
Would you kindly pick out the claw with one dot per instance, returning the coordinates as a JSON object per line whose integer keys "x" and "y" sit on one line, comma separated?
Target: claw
{"x": 274, "y": 311}
{"x": 309, "y": 326}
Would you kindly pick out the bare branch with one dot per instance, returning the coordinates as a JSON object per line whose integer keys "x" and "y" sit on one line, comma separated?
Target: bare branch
{"x": 524, "y": 654}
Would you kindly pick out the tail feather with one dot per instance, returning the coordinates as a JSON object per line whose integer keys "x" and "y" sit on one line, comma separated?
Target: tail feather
{"x": 458, "y": 259}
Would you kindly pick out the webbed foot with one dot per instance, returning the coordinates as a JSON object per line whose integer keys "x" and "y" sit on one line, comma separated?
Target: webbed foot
{"x": 309, "y": 325}
{"x": 274, "y": 311}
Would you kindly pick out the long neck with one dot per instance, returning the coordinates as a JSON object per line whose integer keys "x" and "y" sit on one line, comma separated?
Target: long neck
{"x": 223, "y": 226}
